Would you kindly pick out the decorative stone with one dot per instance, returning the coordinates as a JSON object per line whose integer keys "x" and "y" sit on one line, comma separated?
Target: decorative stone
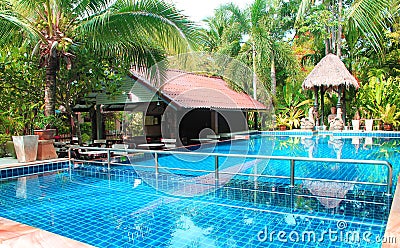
{"x": 336, "y": 125}
{"x": 46, "y": 150}
{"x": 26, "y": 147}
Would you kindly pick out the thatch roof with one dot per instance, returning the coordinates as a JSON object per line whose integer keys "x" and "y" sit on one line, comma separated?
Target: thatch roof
{"x": 330, "y": 72}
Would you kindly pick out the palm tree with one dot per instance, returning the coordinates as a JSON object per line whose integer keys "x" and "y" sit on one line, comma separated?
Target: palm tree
{"x": 367, "y": 17}
{"x": 138, "y": 31}
{"x": 260, "y": 23}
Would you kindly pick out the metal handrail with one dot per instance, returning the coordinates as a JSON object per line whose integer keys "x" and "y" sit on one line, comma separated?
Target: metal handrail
{"x": 216, "y": 156}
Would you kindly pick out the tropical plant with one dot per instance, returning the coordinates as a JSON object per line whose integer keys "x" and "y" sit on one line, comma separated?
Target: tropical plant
{"x": 255, "y": 36}
{"x": 292, "y": 104}
{"x": 377, "y": 93}
{"x": 294, "y": 115}
{"x": 367, "y": 18}
{"x": 19, "y": 79}
{"x": 389, "y": 114}
{"x": 282, "y": 120}
{"x": 44, "y": 122}
{"x": 139, "y": 32}
{"x": 18, "y": 119}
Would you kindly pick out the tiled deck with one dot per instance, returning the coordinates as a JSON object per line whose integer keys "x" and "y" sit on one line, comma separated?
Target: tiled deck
{"x": 14, "y": 234}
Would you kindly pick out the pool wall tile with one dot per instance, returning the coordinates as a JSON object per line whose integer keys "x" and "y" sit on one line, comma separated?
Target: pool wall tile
{"x": 29, "y": 169}
{"x": 391, "y": 134}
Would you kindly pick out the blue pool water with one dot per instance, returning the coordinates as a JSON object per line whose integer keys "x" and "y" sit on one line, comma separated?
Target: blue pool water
{"x": 310, "y": 147}
{"x": 131, "y": 208}
{"x": 125, "y": 212}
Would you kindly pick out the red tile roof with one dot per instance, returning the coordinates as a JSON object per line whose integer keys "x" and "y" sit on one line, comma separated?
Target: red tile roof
{"x": 190, "y": 90}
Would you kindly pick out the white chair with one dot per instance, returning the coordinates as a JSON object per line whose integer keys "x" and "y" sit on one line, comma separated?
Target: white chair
{"x": 213, "y": 136}
{"x": 100, "y": 143}
{"x": 169, "y": 143}
{"x": 120, "y": 146}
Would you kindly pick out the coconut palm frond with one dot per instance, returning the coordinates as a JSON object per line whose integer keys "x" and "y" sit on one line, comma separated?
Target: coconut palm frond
{"x": 370, "y": 16}
{"x": 15, "y": 28}
{"x": 143, "y": 21}
{"x": 303, "y": 8}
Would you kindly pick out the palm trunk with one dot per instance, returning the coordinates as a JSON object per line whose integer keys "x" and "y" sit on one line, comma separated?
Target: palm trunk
{"x": 327, "y": 45}
{"x": 339, "y": 38}
{"x": 50, "y": 88}
{"x": 273, "y": 75}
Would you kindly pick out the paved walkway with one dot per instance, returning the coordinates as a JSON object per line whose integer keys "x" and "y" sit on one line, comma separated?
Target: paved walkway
{"x": 14, "y": 234}
{"x": 7, "y": 161}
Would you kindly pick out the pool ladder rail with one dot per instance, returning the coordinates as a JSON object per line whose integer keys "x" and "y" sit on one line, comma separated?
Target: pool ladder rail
{"x": 293, "y": 160}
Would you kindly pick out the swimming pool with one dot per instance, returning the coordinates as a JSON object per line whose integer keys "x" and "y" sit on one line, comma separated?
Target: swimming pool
{"x": 123, "y": 208}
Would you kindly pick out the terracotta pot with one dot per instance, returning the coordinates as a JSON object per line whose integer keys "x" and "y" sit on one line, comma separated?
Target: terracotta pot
{"x": 282, "y": 127}
{"x": 388, "y": 127}
{"x": 46, "y": 134}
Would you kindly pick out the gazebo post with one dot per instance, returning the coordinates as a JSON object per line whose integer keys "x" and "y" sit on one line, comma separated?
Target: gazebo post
{"x": 339, "y": 100}
{"x": 322, "y": 105}
{"x": 344, "y": 107}
{"x": 316, "y": 103}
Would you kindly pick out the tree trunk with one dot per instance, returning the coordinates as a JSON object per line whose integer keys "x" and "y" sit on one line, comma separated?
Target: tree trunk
{"x": 273, "y": 75}
{"x": 254, "y": 72}
{"x": 327, "y": 45}
{"x": 50, "y": 88}
{"x": 339, "y": 35}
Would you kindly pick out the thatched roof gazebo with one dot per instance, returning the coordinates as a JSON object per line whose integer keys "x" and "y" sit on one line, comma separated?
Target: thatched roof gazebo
{"x": 330, "y": 74}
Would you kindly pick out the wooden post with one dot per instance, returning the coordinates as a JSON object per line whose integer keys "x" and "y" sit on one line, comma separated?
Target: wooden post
{"x": 339, "y": 101}
{"x": 214, "y": 121}
{"x": 316, "y": 103}
{"x": 99, "y": 122}
{"x": 344, "y": 106}
{"x": 322, "y": 92}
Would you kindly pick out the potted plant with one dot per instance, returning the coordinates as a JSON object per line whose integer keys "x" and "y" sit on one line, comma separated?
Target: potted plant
{"x": 44, "y": 126}
{"x": 356, "y": 121}
{"x": 389, "y": 116}
{"x": 282, "y": 122}
{"x": 368, "y": 121}
{"x": 20, "y": 121}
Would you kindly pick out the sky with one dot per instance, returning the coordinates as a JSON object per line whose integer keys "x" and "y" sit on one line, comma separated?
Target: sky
{"x": 197, "y": 10}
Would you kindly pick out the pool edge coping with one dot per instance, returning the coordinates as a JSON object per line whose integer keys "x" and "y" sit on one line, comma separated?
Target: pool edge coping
{"x": 393, "y": 223}
{"x": 18, "y": 164}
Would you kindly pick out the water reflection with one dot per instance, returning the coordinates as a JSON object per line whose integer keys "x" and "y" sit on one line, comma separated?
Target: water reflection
{"x": 309, "y": 145}
{"x": 188, "y": 233}
{"x": 328, "y": 189}
{"x": 28, "y": 187}
{"x": 336, "y": 143}
{"x": 356, "y": 142}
